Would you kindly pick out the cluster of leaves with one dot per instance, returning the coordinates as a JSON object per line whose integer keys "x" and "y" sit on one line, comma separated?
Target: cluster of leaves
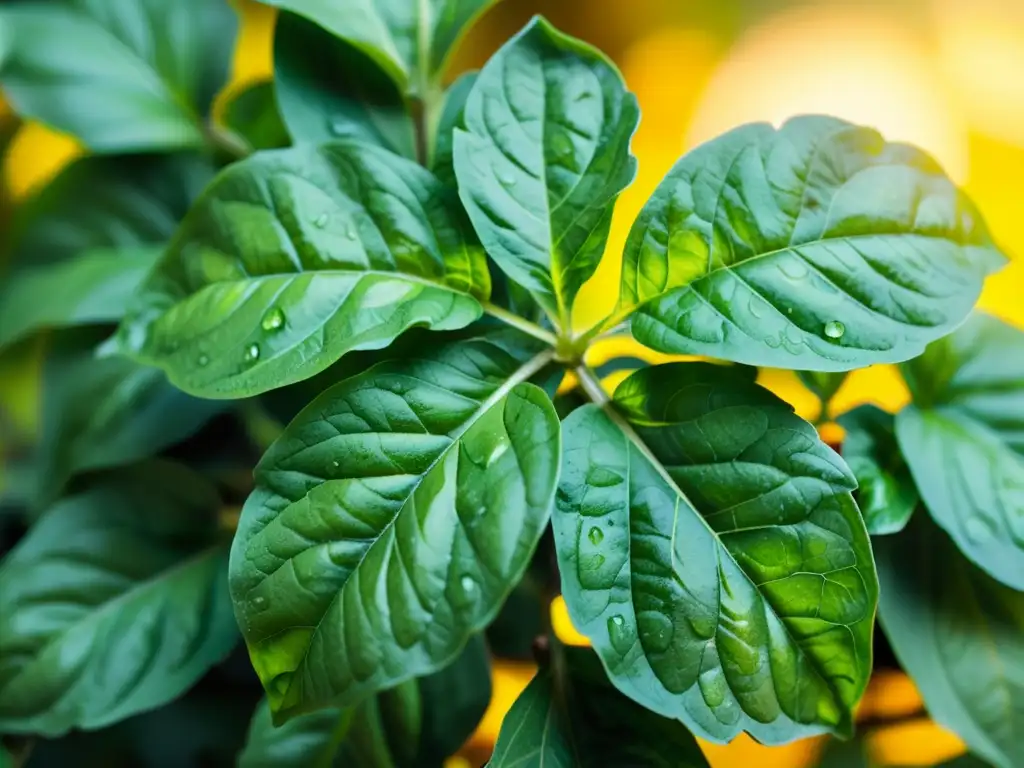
{"x": 390, "y": 267}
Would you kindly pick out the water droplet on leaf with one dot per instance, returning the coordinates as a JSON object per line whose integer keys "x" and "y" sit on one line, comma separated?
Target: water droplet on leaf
{"x": 273, "y": 320}
{"x": 834, "y": 329}
{"x": 468, "y": 584}
{"x": 259, "y": 603}
{"x": 617, "y": 620}
{"x": 335, "y": 464}
{"x": 596, "y": 535}
{"x": 508, "y": 181}
{"x": 253, "y": 352}
{"x": 620, "y": 635}
{"x": 203, "y": 361}
{"x": 321, "y": 221}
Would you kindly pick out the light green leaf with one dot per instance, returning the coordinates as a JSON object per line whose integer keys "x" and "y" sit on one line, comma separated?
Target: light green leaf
{"x": 294, "y": 257}
{"x": 329, "y": 89}
{"x": 977, "y": 371}
{"x": 392, "y": 519}
{"x": 121, "y": 75}
{"x": 94, "y": 288}
{"x": 418, "y": 723}
{"x": 817, "y": 246}
{"x": 253, "y": 116}
{"x": 113, "y": 604}
{"x": 589, "y": 725}
{"x": 544, "y": 155}
{"x": 107, "y": 202}
{"x": 411, "y": 41}
{"x": 453, "y": 115}
{"x": 958, "y": 633}
{"x": 886, "y": 494}
{"x": 711, "y": 551}
{"x": 972, "y": 483}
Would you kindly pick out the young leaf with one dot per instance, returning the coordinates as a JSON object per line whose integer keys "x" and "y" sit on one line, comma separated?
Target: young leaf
{"x": 957, "y": 632}
{"x": 816, "y": 246}
{"x": 418, "y": 723}
{"x": 114, "y": 604}
{"x": 294, "y": 257}
{"x": 543, "y": 157}
{"x": 121, "y": 75}
{"x": 886, "y": 492}
{"x": 824, "y": 385}
{"x": 392, "y": 519}
{"x": 329, "y": 89}
{"x": 410, "y": 41}
{"x": 588, "y": 726}
{"x": 964, "y": 441}
{"x": 93, "y": 288}
{"x": 252, "y": 115}
{"x": 711, "y": 551}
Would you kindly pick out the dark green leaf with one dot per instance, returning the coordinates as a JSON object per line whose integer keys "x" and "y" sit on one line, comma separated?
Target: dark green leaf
{"x": 816, "y": 246}
{"x": 108, "y": 202}
{"x": 823, "y": 384}
{"x": 711, "y": 551}
{"x": 392, "y": 519}
{"x": 93, "y": 288}
{"x": 958, "y": 633}
{"x": 977, "y": 371}
{"x": 886, "y": 494}
{"x": 114, "y": 604}
{"x": 294, "y": 257}
{"x": 588, "y": 724}
{"x": 329, "y": 89}
{"x": 410, "y": 41}
{"x": 972, "y": 483}
{"x": 121, "y": 75}
{"x": 846, "y": 754}
{"x": 544, "y": 155}
{"x": 965, "y": 761}
{"x": 253, "y": 116}
{"x": 452, "y": 116}
{"x": 419, "y": 723}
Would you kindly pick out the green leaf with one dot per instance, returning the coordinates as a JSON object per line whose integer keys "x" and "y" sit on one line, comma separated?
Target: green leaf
{"x": 544, "y": 155}
{"x": 711, "y": 551}
{"x": 886, "y": 494}
{"x": 972, "y": 483}
{"x": 410, "y": 41}
{"x": 817, "y": 246}
{"x": 977, "y": 371}
{"x": 107, "y": 202}
{"x": 588, "y": 724}
{"x": 114, "y": 604}
{"x": 253, "y": 115}
{"x": 121, "y": 75}
{"x": 94, "y": 288}
{"x": 453, "y": 115}
{"x": 108, "y": 412}
{"x": 846, "y": 754}
{"x": 392, "y": 519}
{"x": 329, "y": 89}
{"x": 309, "y": 740}
{"x": 294, "y": 257}
{"x": 957, "y": 632}
{"x": 823, "y": 384}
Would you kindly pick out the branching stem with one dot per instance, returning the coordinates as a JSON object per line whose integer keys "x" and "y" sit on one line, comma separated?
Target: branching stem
{"x": 510, "y": 318}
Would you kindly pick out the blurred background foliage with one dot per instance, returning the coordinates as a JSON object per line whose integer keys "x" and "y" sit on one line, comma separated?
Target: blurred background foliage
{"x": 947, "y": 75}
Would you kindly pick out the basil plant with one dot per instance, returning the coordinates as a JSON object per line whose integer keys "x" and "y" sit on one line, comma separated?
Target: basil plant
{"x": 310, "y": 381}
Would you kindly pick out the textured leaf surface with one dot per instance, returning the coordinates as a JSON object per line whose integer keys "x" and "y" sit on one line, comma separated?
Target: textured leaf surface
{"x": 453, "y": 115}
{"x": 294, "y": 257}
{"x": 253, "y": 115}
{"x": 392, "y": 519}
{"x": 886, "y": 492}
{"x": 543, "y": 157}
{"x": 329, "y": 89}
{"x": 816, "y": 246}
{"x": 958, "y": 634}
{"x": 121, "y": 75}
{"x": 113, "y": 604}
{"x": 593, "y": 725}
{"x": 409, "y": 40}
{"x": 418, "y": 723}
{"x": 94, "y": 288}
{"x": 711, "y": 551}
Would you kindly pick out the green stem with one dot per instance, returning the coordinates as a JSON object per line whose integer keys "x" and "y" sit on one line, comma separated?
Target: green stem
{"x": 614, "y": 323}
{"x": 509, "y": 318}
{"x": 591, "y": 386}
{"x": 227, "y": 141}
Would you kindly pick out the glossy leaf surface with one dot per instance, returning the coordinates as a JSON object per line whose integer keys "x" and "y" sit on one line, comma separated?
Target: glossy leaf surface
{"x": 252, "y": 115}
{"x": 544, "y": 154}
{"x": 113, "y": 604}
{"x": 591, "y": 726}
{"x": 886, "y": 492}
{"x": 817, "y": 246}
{"x": 329, "y": 89}
{"x": 711, "y": 551}
{"x": 409, "y": 40}
{"x": 958, "y": 634}
{"x": 419, "y": 723}
{"x": 392, "y": 519}
{"x": 294, "y": 257}
{"x": 121, "y": 75}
